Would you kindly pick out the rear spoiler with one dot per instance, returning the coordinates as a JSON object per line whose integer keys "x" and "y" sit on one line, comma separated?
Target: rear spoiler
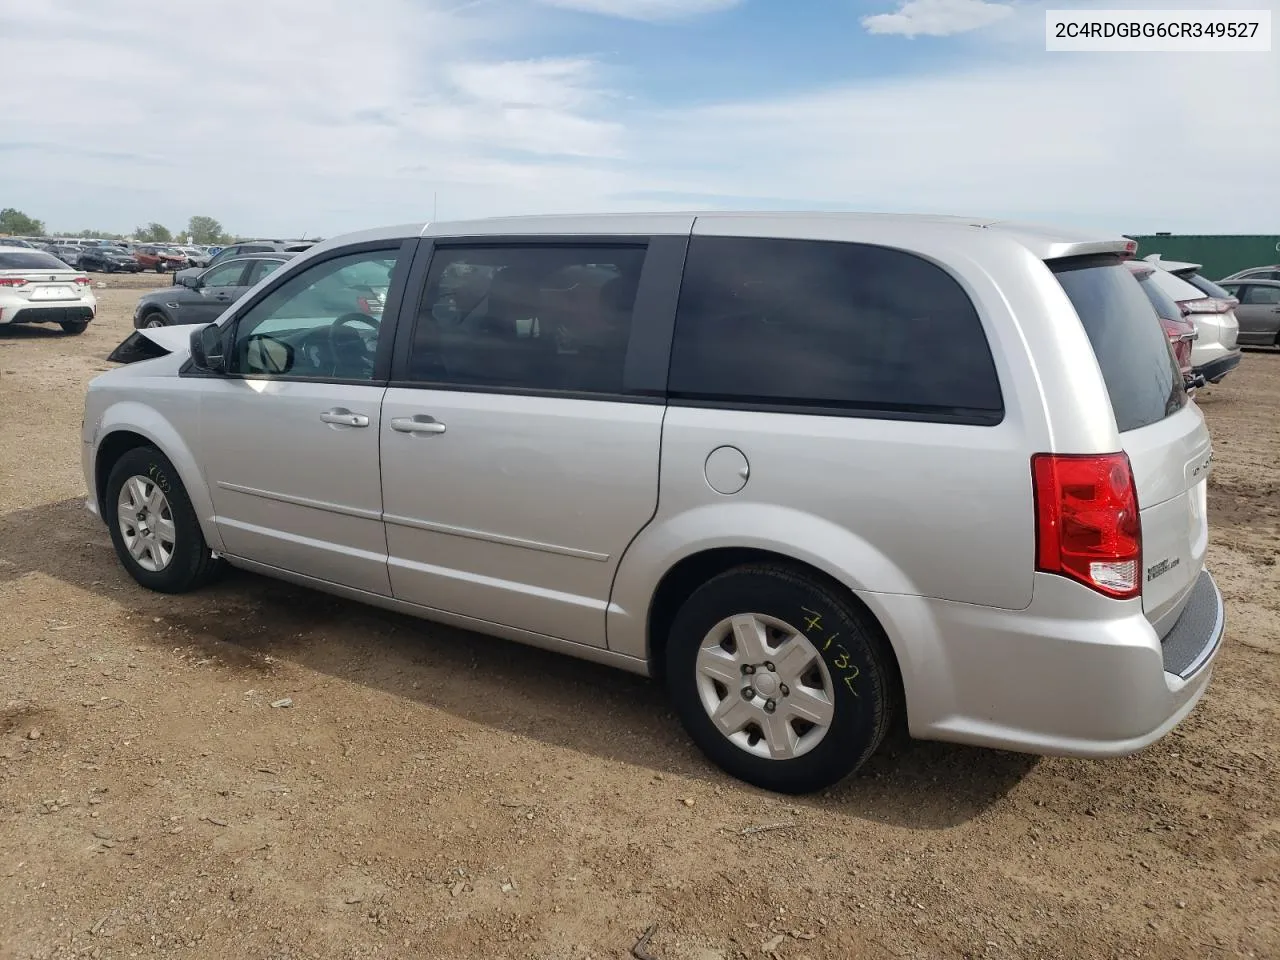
{"x": 151, "y": 342}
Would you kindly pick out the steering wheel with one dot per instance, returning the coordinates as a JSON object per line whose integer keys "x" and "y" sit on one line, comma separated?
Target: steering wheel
{"x": 357, "y": 317}
{"x": 348, "y": 350}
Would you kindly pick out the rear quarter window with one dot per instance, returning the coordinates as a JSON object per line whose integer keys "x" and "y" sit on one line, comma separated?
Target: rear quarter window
{"x": 1133, "y": 353}
{"x": 830, "y": 327}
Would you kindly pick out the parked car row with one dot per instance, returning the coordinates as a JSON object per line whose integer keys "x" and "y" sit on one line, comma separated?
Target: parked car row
{"x": 113, "y": 256}
{"x": 910, "y": 467}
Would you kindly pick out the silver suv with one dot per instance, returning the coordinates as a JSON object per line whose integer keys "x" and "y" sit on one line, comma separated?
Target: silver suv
{"x": 815, "y": 472}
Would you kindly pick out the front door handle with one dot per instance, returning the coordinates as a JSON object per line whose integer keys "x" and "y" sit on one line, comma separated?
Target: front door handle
{"x": 419, "y": 423}
{"x": 343, "y": 417}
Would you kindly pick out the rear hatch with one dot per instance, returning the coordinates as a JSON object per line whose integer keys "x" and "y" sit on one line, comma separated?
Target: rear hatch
{"x": 1161, "y": 431}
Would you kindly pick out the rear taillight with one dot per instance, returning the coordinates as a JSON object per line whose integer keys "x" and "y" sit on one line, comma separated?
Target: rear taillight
{"x": 1205, "y": 305}
{"x": 12, "y": 282}
{"x": 81, "y": 281}
{"x": 1182, "y": 351}
{"x": 1087, "y": 523}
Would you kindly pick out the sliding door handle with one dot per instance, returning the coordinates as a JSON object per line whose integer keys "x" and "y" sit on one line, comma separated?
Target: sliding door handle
{"x": 419, "y": 423}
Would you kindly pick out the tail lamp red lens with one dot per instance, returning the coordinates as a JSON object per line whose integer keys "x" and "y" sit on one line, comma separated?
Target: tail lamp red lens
{"x": 1087, "y": 522}
{"x": 82, "y": 281}
{"x": 12, "y": 282}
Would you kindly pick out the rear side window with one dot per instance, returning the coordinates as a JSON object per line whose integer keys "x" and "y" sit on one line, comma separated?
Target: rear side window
{"x": 834, "y": 327}
{"x": 30, "y": 260}
{"x": 1133, "y": 352}
{"x": 1258, "y": 294}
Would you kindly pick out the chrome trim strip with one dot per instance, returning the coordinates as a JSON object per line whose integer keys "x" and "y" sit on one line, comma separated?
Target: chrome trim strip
{"x": 453, "y": 531}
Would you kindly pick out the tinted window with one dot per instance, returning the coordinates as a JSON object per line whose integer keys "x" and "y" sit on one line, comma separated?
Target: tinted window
{"x": 830, "y": 325}
{"x": 1137, "y": 363}
{"x": 1259, "y": 294}
{"x": 1165, "y": 306}
{"x": 534, "y": 317}
{"x": 1207, "y": 287}
{"x": 224, "y": 275}
{"x": 319, "y": 324}
{"x": 30, "y": 260}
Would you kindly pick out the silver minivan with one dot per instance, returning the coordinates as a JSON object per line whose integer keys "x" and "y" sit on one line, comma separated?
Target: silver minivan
{"x": 816, "y": 472}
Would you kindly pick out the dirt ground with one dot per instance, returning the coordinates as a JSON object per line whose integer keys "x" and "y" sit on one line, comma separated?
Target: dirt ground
{"x": 431, "y": 793}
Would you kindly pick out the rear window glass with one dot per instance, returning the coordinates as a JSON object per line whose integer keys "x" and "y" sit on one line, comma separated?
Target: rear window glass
{"x": 1164, "y": 304}
{"x": 30, "y": 260}
{"x": 1133, "y": 352}
{"x": 1207, "y": 287}
{"x": 1175, "y": 287}
{"x": 839, "y": 327}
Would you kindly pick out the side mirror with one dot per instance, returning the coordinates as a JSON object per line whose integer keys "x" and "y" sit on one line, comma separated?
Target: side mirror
{"x": 192, "y": 281}
{"x": 206, "y": 349}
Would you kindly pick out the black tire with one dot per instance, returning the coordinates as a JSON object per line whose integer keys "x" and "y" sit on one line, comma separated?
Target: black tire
{"x": 154, "y": 315}
{"x": 160, "y": 267}
{"x": 192, "y": 563}
{"x": 74, "y": 327}
{"x": 859, "y": 667}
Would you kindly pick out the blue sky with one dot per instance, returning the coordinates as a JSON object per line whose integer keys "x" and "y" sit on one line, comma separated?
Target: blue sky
{"x": 328, "y": 115}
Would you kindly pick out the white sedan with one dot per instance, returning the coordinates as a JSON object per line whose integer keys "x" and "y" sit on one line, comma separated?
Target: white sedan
{"x": 37, "y": 287}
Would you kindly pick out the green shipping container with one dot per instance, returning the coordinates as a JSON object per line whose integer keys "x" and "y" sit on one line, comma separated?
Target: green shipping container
{"x": 1221, "y": 254}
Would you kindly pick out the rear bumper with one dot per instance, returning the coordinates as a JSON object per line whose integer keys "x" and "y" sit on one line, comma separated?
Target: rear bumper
{"x": 76, "y": 312}
{"x": 1219, "y": 367}
{"x": 1072, "y": 675}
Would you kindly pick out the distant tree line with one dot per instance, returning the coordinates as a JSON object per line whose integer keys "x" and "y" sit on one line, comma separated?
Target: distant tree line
{"x": 201, "y": 229}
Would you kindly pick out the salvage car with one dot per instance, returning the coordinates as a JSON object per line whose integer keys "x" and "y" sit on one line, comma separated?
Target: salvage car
{"x": 107, "y": 259}
{"x": 926, "y": 468}
{"x": 1259, "y": 311}
{"x": 201, "y": 298}
{"x": 1182, "y": 333}
{"x": 37, "y": 287}
{"x": 159, "y": 258}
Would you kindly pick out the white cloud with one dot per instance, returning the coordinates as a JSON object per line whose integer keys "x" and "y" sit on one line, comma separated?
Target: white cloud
{"x": 937, "y": 18}
{"x": 646, "y": 9}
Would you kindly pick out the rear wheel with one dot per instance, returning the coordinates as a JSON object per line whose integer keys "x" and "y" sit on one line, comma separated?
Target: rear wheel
{"x": 153, "y": 525}
{"x": 780, "y": 678}
{"x": 74, "y": 326}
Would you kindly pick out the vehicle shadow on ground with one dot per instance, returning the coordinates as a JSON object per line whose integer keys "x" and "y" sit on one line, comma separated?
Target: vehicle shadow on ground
{"x": 33, "y": 331}
{"x": 558, "y": 700}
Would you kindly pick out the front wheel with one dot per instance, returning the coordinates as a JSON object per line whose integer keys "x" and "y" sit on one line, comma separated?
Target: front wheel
{"x": 780, "y": 678}
{"x": 153, "y": 526}
{"x": 153, "y": 320}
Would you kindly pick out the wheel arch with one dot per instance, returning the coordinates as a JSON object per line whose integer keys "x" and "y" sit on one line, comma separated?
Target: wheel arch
{"x": 689, "y": 573}
{"x": 128, "y": 426}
